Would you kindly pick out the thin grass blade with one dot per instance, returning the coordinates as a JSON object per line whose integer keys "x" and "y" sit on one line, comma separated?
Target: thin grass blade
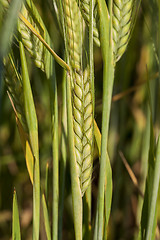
{"x": 33, "y": 136}
{"x": 46, "y": 182}
{"x": 151, "y": 225}
{"x": 16, "y": 234}
{"x": 108, "y": 181}
{"x": 46, "y": 218}
{"x": 108, "y": 78}
{"x": 148, "y": 188}
{"x": 25, "y": 143}
{"x": 55, "y": 147}
{"x": 63, "y": 156}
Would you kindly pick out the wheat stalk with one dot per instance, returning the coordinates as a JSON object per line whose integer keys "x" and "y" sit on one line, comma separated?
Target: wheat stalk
{"x": 81, "y": 94}
{"x": 122, "y": 22}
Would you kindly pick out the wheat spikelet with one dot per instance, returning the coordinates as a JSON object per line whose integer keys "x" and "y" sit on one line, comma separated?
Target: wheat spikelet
{"x": 33, "y": 45}
{"x": 122, "y": 25}
{"x": 15, "y": 88}
{"x": 84, "y": 7}
{"x": 83, "y": 127}
{"x": 4, "y": 4}
{"x": 81, "y": 94}
{"x": 73, "y": 32}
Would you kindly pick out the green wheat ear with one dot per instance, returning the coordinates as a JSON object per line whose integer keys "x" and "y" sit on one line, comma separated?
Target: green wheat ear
{"x": 32, "y": 44}
{"x": 14, "y": 85}
{"x": 30, "y": 41}
{"x": 122, "y": 24}
{"x": 83, "y": 128}
{"x": 81, "y": 93}
{"x": 84, "y": 7}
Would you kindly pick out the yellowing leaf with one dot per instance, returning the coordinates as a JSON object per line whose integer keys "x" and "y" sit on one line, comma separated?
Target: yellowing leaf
{"x": 25, "y": 143}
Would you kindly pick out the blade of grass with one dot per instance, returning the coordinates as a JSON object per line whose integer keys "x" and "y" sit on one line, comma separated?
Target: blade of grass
{"x": 25, "y": 143}
{"x": 46, "y": 181}
{"x": 108, "y": 78}
{"x": 51, "y": 78}
{"x": 108, "y": 181}
{"x": 144, "y": 168}
{"x": 63, "y": 156}
{"x": 46, "y": 218}
{"x": 54, "y": 112}
{"x": 16, "y": 234}
{"x": 33, "y": 135}
{"x": 149, "y": 185}
{"x": 108, "y": 196}
{"x": 150, "y": 234}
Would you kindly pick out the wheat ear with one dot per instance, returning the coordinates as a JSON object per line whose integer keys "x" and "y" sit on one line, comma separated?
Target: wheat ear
{"x": 14, "y": 85}
{"x": 122, "y": 21}
{"x": 84, "y": 7}
{"x": 30, "y": 41}
{"x": 81, "y": 94}
{"x": 83, "y": 127}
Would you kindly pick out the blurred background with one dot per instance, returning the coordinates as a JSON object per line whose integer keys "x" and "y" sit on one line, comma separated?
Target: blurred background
{"x": 129, "y": 129}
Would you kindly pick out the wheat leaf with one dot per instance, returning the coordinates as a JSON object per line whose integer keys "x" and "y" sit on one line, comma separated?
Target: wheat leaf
{"x": 46, "y": 218}
{"x": 25, "y": 143}
{"x": 16, "y": 234}
{"x": 33, "y": 136}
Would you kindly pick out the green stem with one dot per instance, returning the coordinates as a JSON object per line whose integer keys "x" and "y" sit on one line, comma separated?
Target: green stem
{"x": 156, "y": 179}
{"x": 76, "y": 191}
{"x": 33, "y": 135}
{"x": 55, "y": 161}
{"x": 63, "y": 156}
{"x": 108, "y": 79}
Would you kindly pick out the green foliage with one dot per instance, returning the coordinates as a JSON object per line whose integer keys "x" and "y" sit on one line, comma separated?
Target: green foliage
{"x": 71, "y": 127}
{"x": 16, "y": 234}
